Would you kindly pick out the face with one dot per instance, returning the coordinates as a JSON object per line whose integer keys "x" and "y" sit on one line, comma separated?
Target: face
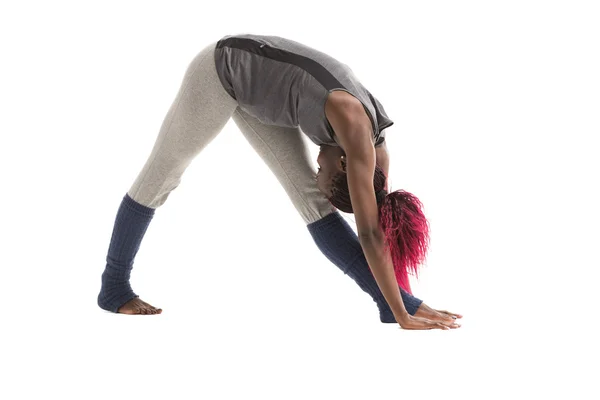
{"x": 330, "y": 160}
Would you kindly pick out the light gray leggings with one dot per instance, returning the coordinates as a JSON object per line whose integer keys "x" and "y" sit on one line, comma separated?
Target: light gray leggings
{"x": 199, "y": 112}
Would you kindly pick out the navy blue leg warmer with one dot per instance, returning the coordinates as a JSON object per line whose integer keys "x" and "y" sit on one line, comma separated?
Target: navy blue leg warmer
{"x": 338, "y": 242}
{"x": 130, "y": 226}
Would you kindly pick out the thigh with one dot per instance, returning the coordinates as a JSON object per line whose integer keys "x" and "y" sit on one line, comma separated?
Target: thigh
{"x": 285, "y": 152}
{"x": 198, "y": 113}
{"x": 201, "y": 108}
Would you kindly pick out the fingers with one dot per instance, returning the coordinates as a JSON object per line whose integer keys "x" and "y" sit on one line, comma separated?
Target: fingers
{"x": 447, "y": 318}
{"x": 444, "y": 326}
{"x": 429, "y": 324}
{"x": 449, "y": 313}
{"x": 419, "y": 323}
{"x": 453, "y": 325}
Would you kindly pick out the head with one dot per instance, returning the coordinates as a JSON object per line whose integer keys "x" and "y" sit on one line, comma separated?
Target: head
{"x": 332, "y": 180}
{"x": 401, "y": 216}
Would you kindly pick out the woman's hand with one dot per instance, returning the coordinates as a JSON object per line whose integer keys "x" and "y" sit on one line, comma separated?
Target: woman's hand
{"x": 417, "y": 323}
{"x": 443, "y": 316}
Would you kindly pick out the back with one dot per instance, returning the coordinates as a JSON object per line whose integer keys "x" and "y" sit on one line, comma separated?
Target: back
{"x": 282, "y": 82}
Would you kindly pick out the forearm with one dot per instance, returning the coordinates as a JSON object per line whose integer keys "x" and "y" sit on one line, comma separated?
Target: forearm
{"x": 382, "y": 268}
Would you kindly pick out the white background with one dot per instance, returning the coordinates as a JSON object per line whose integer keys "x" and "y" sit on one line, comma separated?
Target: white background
{"x": 496, "y": 110}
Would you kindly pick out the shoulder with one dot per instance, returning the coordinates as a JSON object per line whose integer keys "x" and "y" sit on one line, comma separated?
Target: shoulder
{"x": 347, "y": 110}
{"x": 347, "y": 116}
{"x": 340, "y": 101}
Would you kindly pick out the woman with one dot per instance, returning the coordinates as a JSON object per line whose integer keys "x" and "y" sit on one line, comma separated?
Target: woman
{"x": 276, "y": 90}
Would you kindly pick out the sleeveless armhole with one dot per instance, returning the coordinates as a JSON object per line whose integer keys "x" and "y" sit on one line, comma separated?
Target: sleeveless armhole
{"x": 328, "y": 125}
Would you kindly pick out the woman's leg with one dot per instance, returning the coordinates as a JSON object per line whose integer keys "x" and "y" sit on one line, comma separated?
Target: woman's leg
{"x": 285, "y": 152}
{"x": 199, "y": 112}
{"x": 287, "y": 155}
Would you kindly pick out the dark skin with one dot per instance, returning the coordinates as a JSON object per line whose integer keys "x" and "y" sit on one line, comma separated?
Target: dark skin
{"x": 354, "y": 131}
{"x": 331, "y": 161}
{"x": 356, "y": 156}
{"x": 138, "y": 306}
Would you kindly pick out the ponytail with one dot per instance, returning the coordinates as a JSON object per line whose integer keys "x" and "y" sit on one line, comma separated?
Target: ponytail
{"x": 406, "y": 233}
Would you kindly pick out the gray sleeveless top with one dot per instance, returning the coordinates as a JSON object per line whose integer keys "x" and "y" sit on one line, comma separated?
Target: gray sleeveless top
{"x": 285, "y": 83}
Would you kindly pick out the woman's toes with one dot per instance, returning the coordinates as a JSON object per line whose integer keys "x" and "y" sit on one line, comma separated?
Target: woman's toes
{"x": 149, "y": 308}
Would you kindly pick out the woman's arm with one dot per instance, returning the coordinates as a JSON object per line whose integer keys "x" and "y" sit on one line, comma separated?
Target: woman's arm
{"x": 351, "y": 124}
{"x": 354, "y": 131}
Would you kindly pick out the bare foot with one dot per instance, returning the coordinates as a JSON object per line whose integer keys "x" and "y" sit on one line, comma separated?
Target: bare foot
{"x": 424, "y": 311}
{"x": 138, "y": 306}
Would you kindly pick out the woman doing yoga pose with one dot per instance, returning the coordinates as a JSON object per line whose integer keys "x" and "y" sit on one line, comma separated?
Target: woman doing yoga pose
{"x": 277, "y": 90}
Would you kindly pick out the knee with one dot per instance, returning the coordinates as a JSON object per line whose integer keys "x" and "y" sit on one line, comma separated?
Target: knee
{"x": 147, "y": 202}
